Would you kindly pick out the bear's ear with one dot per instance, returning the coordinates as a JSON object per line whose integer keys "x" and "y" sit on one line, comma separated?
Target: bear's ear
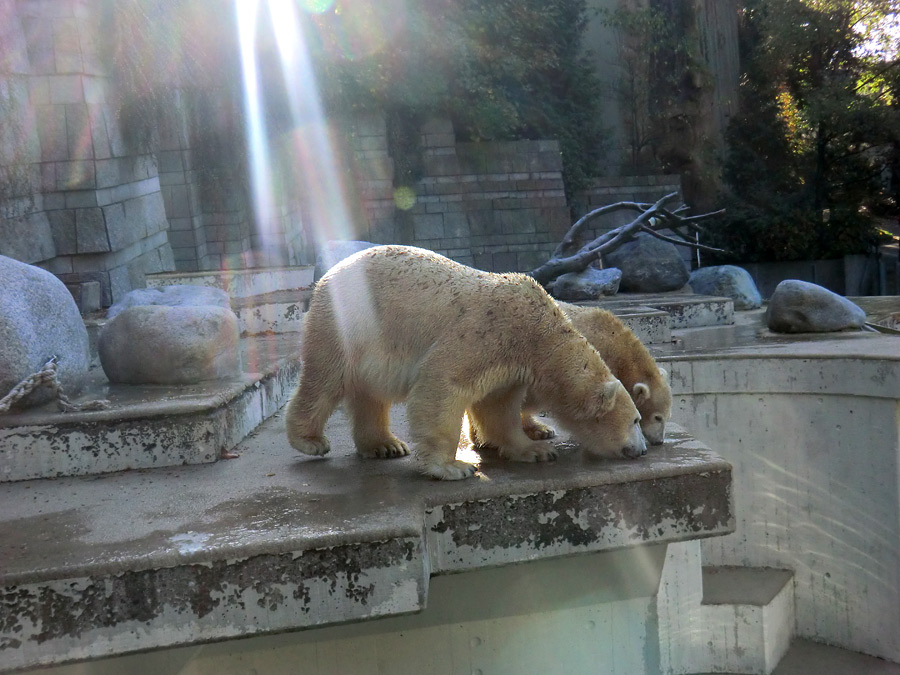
{"x": 608, "y": 396}
{"x": 664, "y": 373}
{"x": 640, "y": 392}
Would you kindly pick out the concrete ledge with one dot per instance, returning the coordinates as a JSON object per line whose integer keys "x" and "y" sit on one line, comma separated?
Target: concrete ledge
{"x": 271, "y": 541}
{"x": 685, "y": 311}
{"x": 279, "y": 312}
{"x": 241, "y": 283}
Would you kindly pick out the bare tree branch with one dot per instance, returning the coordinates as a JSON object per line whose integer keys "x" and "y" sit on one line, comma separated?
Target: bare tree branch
{"x": 651, "y": 218}
{"x": 684, "y": 242}
{"x": 579, "y": 225}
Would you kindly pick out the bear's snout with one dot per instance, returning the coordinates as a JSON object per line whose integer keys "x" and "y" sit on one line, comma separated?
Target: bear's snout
{"x": 633, "y": 453}
{"x": 636, "y": 445}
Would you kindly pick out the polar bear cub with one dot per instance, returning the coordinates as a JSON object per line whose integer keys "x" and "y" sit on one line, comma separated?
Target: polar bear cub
{"x": 395, "y": 323}
{"x": 629, "y": 360}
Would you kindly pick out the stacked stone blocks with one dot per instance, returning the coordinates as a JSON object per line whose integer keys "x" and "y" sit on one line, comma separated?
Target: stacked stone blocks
{"x": 95, "y": 213}
{"x": 496, "y": 206}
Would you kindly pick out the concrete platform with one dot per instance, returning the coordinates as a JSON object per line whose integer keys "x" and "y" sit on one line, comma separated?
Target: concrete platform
{"x": 151, "y": 426}
{"x": 272, "y": 541}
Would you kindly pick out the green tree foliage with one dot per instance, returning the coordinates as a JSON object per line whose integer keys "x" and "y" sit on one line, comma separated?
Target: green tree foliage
{"x": 500, "y": 69}
{"x": 817, "y": 129}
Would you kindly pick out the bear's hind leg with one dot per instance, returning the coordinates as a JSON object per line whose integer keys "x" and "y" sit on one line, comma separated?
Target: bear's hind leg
{"x": 370, "y": 417}
{"x": 318, "y": 394}
{"x": 498, "y": 421}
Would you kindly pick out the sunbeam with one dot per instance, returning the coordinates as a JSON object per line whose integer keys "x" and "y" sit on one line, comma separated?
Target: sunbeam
{"x": 247, "y": 12}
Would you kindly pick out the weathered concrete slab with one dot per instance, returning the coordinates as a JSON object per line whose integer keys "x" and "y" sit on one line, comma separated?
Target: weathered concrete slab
{"x": 150, "y": 426}
{"x": 274, "y": 541}
{"x": 650, "y": 325}
{"x": 279, "y": 312}
{"x": 241, "y": 283}
{"x": 685, "y": 311}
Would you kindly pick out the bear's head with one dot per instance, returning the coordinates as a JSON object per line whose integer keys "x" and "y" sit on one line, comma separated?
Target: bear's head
{"x": 607, "y": 423}
{"x": 653, "y": 398}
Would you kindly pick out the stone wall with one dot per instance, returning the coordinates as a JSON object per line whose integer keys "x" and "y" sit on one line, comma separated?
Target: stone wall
{"x": 497, "y": 206}
{"x": 211, "y": 219}
{"x": 89, "y": 207}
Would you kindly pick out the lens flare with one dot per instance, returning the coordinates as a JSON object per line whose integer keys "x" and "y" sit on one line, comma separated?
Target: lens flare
{"x": 404, "y": 198}
{"x": 316, "y": 6}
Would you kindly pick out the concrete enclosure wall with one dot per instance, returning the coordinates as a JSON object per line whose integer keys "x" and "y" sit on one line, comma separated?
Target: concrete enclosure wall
{"x": 816, "y": 456}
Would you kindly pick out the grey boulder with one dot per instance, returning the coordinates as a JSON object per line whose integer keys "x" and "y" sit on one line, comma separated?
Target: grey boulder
{"x": 649, "y": 265}
{"x": 589, "y": 284}
{"x": 177, "y": 295}
{"x": 801, "y": 307}
{"x": 728, "y": 281}
{"x": 39, "y": 319}
{"x": 336, "y": 250}
{"x": 158, "y": 344}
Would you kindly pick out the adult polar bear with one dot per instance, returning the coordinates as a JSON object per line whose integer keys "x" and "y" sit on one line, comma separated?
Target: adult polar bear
{"x": 395, "y": 322}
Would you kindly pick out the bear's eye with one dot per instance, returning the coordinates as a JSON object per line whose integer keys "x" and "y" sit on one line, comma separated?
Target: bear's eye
{"x": 637, "y": 420}
{"x": 658, "y": 418}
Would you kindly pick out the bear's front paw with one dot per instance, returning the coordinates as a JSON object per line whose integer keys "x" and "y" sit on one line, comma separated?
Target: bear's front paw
{"x": 537, "y": 431}
{"x": 317, "y": 446}
{"x": 386, "y": 450}
{"x": 455, "y": 470}
{"x": 533, "y": 452}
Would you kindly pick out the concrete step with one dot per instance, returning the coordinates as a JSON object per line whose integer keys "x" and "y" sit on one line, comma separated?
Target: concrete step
{"x": 650, "y": 325}
{"x": 685, "y": 311}
{"x": 682, "y": 310}
{"x": 747, "y": 618}
{"x": 273, "y": 541}
{"x": 241, "y": 283}
{"x": 267, "y": 301}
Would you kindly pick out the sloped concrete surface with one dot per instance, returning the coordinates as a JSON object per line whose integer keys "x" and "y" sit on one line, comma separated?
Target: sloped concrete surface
{"x": 756, "y": 586}
{"x": 272, "y": 541}
{"x": 812, "y": 658}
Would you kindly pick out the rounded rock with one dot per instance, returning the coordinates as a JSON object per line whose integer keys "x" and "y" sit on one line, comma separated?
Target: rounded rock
{"x": 39, "y": 319}
{"x": 728, "y": 281}
{"x": 177, "y": 295}
{"x": 802, "y": 307}
{"x": 587, "y": 285}
{"x": 649, "y": 265}
{"x": 158, "y": 344}
{"x": 336, "y": 250}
